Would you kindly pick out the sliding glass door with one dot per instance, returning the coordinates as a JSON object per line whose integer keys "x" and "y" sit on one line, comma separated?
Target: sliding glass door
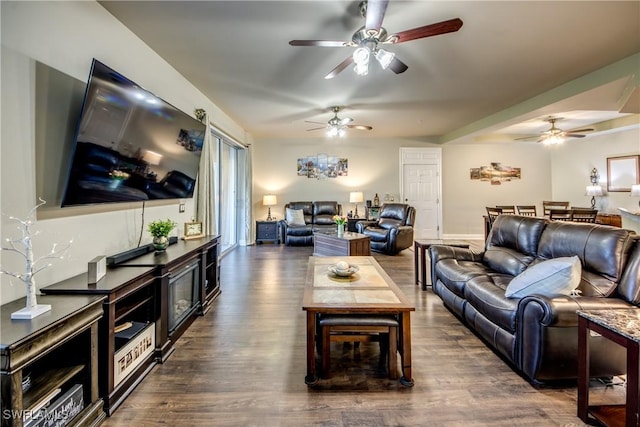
{"x": 229, "y": 191}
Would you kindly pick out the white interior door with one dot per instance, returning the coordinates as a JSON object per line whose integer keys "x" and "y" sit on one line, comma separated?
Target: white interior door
{"x": 421, "y": 189}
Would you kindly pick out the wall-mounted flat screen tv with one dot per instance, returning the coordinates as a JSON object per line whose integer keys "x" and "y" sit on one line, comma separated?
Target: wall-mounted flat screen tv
{"x": 131, "y": 145}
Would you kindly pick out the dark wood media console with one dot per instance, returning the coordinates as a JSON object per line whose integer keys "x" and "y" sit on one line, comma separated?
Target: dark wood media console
{"x": 44, "y": 359}
{"x": 150, "y": 300}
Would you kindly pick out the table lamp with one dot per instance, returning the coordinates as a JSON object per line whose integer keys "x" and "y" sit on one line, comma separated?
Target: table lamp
{"x": 593, "y": 191}
{"x": 635, "y": 191}
{"x": 269, "y": 200}
{"x": 356, "y": 197}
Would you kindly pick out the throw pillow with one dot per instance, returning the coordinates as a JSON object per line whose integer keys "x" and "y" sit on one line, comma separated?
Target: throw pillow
{"x": 295, "y": 217}
{"x": 557, "y": 276}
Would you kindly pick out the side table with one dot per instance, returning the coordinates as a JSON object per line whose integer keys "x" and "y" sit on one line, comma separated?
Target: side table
{"x": 351, "y": 224}
{"x": 621, "y": 326}
{"x": 419, "y": 257}
{"x": 267, "y": 231}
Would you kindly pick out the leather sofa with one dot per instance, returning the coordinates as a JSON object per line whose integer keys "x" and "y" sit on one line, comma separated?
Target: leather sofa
{"x": 317, "y": 216}
{"x": 393, "y": 231}
{"x": 538, "y": 333}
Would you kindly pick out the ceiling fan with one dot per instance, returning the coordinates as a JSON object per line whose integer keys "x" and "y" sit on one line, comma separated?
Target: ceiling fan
{"x": 555, "y": 135}
{"x": 372, "y": 34}
{"x": 337, "y": 126}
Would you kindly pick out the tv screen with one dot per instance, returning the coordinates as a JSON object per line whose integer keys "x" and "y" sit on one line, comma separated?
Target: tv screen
{"x": 131, "y": 145}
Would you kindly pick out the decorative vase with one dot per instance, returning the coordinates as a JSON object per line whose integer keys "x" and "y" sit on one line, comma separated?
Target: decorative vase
{"x": 340, "y": 229}
{"x": 160, "y": 243}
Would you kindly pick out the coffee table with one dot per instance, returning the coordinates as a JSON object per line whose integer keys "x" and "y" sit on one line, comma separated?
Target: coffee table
{"x": 370, "y": 291}
{"x": 329, "y": 243}
{"x": 419, "y": 256}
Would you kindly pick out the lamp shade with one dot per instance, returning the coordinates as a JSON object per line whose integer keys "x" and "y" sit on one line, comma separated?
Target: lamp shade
{"x": 635, "y": 190}
{"x": 269, "y": 200}
{"x": 356, "y": 197}
{"x": 152, "y": 158}
{"x": 594, "y": 190}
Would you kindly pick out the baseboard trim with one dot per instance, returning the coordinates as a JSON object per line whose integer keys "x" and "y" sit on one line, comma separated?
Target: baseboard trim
{"x": 463, "y": 237}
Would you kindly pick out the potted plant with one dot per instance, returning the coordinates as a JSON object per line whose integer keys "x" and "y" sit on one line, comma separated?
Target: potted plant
{"x": 160, "y": 230}
{"x": 340, "y": 222}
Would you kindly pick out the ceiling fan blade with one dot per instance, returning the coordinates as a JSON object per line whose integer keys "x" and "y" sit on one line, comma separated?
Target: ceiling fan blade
{"x": 375, "y": 14}
{"x": 580, "y": 130}
{"x": 359, "y": 127}
{"x": 341, "y": 66}
{"x": 524, "y": 138}
{"x": 315, "y": 123}
{"x": 443, "y": 27}
{"x": 323, "y": 127}
{"x": 346, "y": 120}
{"x": 574, "y": 135}
{"x": 398, "y": 66}
{"x": 321, "y": 43}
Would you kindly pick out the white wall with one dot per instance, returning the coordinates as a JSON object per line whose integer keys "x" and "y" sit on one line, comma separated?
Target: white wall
{"x": 571, "y": 166}
{"x": 464, "y": 200}
{"x": 548, "y": 173}
{"x": 66, "y": 36}
{"x": 373, "y": 168}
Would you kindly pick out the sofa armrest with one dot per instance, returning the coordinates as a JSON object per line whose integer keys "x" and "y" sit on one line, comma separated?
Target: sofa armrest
{"x": 560, "y": 311}
{"x": 361, "y": 225}
{"x": 282, "y": 226}
{"x": 547, "y": 330}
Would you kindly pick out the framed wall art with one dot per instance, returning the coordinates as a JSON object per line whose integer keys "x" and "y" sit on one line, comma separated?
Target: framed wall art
{"x": 322, "y": 166}
{"x": 623, "y": 172}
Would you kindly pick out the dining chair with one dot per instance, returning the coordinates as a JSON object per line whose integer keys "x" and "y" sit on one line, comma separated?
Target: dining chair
{"x": 560, "y": 214}
{"x": 492, "y": 214}
{"x": 584, "y": 215}
{"x": 527, "y": 210}
{"x": 547, "y": 205}
{"x": 509, "y": 209}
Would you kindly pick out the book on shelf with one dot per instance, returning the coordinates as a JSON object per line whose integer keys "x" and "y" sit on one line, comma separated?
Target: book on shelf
{"x": 58, "y": 413}
{"x": 125, "y": 334}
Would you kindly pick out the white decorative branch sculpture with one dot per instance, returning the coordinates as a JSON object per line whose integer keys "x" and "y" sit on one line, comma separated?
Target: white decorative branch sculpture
{"x": 23, "y": 246}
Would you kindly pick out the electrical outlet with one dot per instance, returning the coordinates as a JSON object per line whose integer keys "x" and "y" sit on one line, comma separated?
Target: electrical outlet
{"x": 181, "y": 207}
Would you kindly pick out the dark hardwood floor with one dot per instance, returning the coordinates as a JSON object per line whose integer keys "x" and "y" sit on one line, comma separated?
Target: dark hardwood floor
{"x": 243, "y": 364}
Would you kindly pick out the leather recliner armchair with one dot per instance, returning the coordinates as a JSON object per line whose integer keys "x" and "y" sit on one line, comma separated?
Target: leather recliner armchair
{"x": 298, "y": 235}
{"x": 393, "y": 231}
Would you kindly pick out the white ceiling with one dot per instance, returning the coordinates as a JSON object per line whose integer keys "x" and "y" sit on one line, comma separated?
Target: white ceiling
{"x": 507, "y": 52}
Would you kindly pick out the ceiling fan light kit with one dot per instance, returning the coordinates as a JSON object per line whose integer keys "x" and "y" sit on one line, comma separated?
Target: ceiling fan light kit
{"x": 552, "y": 140}
{"x": 384, "y": 58}
{"x": 367, "y": 38}
{"x": 337, "y": 126}
{"x": 556, "y": 136}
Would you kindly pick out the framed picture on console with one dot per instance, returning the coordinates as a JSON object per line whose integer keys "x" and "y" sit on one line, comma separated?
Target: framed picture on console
{"x": 622, "y": 173}
{"x": 373, "y": 212}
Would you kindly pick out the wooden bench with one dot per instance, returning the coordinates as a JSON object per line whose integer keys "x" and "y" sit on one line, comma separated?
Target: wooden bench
{"x": 359, "y": 328}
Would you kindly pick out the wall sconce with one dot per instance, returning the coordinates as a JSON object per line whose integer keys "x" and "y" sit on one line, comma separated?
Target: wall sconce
{"x": 269, "y": 200}
{"x": 356, "y": 197}
{"x": 635, "y": 191}
{"x": 594, "y": 189}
